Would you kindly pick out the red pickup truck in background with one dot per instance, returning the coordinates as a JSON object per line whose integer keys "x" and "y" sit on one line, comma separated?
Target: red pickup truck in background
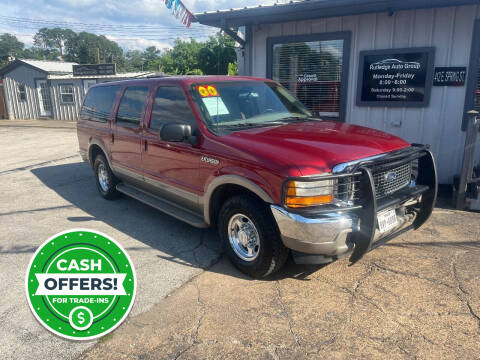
{"x": 245, "y": 155}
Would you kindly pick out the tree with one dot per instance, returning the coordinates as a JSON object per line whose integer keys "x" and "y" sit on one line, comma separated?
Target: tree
{"x": 216, "y": 54}
{"x": 210, "y": 57}
{"x": 232, "y": 69}
{"x": 38, "y": 53}
{"x": 182, "y": 58}
{"x": 187, "y": 57}
{"x": 134, "y": 60}
{"x": 151, "y": 57}
{"x": 55, "y": 38}
{"x": 87, "y": 48}
{"x": 9, "y": 46}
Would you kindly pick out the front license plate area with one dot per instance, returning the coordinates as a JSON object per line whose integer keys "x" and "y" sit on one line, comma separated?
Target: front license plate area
{"x": 387, "y": 220}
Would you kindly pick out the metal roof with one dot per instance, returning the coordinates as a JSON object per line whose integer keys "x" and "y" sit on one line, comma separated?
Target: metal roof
{"x": 304, "y": 10}
{"x": 127, "y": 75}
{"x": 45, "y": 66}
{"x": 51, "y": 66}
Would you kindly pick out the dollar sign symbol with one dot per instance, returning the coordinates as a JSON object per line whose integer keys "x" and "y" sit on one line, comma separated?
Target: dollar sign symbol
{"x": 81, "y": 317}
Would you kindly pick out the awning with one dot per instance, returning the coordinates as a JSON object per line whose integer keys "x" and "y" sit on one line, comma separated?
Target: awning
{"x": 305, "y": 10}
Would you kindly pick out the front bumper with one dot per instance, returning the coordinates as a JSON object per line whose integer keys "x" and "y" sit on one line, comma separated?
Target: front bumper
{"x": 326, "y": 234}
{"x": 336, "y": 234}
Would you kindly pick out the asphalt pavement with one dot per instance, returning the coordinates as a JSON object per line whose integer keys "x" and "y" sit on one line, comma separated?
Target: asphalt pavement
{"x": 417, "y": 296}
{"x": 45, "y": 188}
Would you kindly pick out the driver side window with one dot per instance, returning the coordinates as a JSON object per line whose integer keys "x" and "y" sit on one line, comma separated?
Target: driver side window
{"x": 171, "y": 106}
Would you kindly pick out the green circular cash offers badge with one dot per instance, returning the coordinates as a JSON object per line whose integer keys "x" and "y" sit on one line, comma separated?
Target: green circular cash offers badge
{"x": 80, "y": 284}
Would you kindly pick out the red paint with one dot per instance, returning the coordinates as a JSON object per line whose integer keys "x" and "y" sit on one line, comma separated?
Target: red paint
{"x": 265, "y": 156}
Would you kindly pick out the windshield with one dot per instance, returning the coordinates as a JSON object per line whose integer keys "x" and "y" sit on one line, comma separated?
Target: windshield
{"x": 233, "y": 105}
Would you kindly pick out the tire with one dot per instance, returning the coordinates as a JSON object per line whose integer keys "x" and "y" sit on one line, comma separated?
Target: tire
{"x": 262, "y": 256}
{"x": 105, "y": 179}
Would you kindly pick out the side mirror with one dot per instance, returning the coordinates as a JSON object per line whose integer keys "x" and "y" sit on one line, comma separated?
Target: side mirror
{"x": 175, "y": 132}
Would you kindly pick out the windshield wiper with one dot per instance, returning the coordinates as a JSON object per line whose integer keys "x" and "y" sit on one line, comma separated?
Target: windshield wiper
{"x": 297, "y": 119}
{"x": 254, "y": 124}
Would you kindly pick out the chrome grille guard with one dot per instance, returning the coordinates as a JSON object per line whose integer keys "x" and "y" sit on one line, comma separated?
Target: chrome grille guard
{"x": 369, "y": 205}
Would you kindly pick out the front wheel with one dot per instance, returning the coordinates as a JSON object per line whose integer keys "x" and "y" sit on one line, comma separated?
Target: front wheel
{"x": 250, "y": 236}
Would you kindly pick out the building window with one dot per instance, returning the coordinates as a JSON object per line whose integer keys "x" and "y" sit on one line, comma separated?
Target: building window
{"x": 87, "y": 84}
{"x": 22, "y": 96}
{"x": 66, "y": 93}
{"x": 311, "y": 67}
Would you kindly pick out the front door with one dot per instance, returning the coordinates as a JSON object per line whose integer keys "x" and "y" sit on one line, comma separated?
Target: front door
{"x": 171, "y": 168}
{"x": 126, "y": 142}
{"x": 44, "y": 101}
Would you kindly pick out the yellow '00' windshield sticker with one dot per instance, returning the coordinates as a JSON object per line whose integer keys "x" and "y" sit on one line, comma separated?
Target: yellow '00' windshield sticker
{"x": 207, "y": 91}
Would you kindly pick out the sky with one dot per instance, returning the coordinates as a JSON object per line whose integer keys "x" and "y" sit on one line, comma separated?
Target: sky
{"x": 134, "y": 24}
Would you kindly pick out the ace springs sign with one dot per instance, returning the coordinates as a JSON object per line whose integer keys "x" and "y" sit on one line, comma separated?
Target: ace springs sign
{"x": 395, "y": 77}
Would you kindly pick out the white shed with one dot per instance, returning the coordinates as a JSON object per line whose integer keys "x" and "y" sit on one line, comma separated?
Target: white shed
{"x": 47, "y": 89}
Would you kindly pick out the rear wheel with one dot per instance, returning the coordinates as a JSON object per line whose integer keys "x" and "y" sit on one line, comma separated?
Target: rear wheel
{"x": 105, "y": 179}
{"x": 250, "y": 236}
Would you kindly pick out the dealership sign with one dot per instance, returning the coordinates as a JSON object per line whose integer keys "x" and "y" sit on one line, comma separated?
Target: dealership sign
{"x": 395, "y": 77}
{"x": 94, "y": 69}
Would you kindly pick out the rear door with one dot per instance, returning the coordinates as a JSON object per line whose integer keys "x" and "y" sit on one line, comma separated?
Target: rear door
{"x": 126, "y": 142}
{"x": 171, "y": 168}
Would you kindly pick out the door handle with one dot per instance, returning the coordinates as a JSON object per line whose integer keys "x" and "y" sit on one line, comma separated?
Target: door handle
{"x": 113, "y": 138}
{"x": 146, "y": 145}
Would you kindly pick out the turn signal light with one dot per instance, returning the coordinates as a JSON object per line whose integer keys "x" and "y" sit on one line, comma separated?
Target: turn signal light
{"x": 305, "y": 194}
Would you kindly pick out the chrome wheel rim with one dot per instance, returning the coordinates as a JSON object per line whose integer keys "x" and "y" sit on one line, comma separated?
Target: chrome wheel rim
{"x": 103, "y": 178}
{"x": 243, "y": 237}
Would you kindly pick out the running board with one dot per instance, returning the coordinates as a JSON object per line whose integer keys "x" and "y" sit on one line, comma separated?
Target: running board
{"x": 163, "y": 205}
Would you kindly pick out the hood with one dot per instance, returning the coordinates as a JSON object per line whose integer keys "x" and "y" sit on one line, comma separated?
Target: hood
{"x": 314, "y": 147}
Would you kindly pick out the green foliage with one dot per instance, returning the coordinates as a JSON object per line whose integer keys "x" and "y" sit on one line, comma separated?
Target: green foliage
{"x": 9, "y": 46}
{"x": 38, "y": 53}
{"x": 186, "y": 57}
{"x": 232, "y": 69}
{"x": 133, "y": 60}
{"x": 182, "y": 58}
{"x": 87, "y": 48}
{"x": 53, "y": 39}
{"x": 151, "y": 57}
{"x": 216, "y": 54}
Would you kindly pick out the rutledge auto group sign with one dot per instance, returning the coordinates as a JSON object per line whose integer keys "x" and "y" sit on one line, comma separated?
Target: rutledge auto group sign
{"x": 395, "y": 77}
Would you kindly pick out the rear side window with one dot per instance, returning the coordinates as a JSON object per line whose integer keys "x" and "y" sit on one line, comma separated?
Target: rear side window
{"x": 98, "y": 103}
{"x": 131, "y": 106}
{"x": 170, "y": 106}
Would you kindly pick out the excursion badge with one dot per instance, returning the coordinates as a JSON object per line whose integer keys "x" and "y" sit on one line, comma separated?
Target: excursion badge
{"x": 80, "y": 284}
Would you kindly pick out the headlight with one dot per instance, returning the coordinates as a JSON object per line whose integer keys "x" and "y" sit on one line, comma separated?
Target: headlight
{"x": 299, "y": 194}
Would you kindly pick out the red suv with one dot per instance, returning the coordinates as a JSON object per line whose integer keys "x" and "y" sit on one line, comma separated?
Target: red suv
{"x": 245, "y": 155}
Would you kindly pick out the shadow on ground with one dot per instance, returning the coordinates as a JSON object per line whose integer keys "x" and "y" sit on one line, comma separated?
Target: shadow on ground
{"x": 75, "y": 183}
